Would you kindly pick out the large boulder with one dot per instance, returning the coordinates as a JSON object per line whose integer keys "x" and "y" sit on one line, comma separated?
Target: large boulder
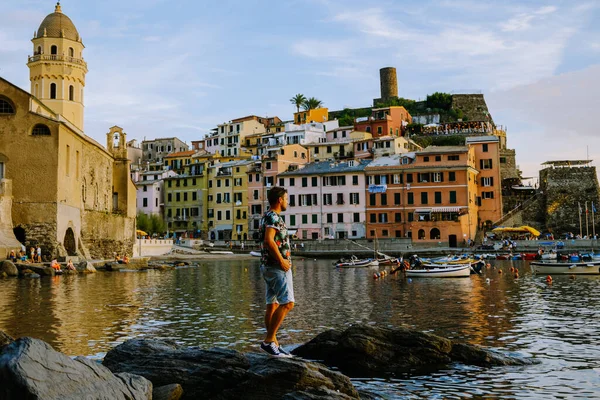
{"x": 226, "y": 374}
{"x": 8, "y": 268}
{"x": 31, "y": 369}
{"x": 86, "y": 266}
{"x": 367, "y": 351}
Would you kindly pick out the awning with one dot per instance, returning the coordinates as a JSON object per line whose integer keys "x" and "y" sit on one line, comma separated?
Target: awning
{"x": 446, "y": 209}
{"x": 521, "y": 229}
{"x": 292, "y": 231}
{"x": 423, "y": 210}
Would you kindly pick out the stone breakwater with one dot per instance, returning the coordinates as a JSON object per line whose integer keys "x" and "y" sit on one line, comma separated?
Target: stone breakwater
{"x": 161, "y": 369}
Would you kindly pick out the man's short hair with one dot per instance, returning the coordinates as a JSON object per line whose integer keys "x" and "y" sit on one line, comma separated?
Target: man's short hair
{"x": 275, "y": 194}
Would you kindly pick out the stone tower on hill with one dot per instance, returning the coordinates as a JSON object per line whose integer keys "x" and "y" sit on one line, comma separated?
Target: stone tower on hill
{"x": 388, "y": 81}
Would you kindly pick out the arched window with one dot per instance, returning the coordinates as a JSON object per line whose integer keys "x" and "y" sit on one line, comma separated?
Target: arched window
{"x": 53, "y": 49}
{"x": 71, "y": 93}
{"x": 39, "y": 50}
{"x": 71, "y": 52}
{"x": 53, "y": 90}
{"x": 421, "y": 234}
{"x": 6, "y": 107}
{"x": 434, "y": 234}
{"x": 40, "y": 130}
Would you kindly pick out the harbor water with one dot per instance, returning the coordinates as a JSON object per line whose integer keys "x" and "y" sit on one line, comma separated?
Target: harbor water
{"x": 221, "y": 303}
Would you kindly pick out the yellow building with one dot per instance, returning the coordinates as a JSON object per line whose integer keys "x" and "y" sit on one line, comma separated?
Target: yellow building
{"x": 70, "y": 194}
{"x": 314, "y": 115}
{"x": 228, "y": 200}
{"x": 185, "y": 201}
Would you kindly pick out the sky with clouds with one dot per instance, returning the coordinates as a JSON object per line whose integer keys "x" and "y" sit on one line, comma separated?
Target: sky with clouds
{"x": 178, "y": 68}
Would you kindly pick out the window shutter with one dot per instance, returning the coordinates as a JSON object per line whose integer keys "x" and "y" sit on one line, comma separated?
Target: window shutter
{"x": 480, "y": 164}
{"x": 482, "y": 183}
{"x": 492, "y": 181}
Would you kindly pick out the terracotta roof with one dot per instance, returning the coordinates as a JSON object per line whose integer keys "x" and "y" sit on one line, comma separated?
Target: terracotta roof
{"x": 181, "y": 154}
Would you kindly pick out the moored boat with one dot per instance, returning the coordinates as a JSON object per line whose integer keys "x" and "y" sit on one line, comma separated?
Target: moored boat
{"x": 441, "y": 271}
{"x": 355, "y": 262}
{"x": 566, "y": 268}
{"x": 255, "y": 253}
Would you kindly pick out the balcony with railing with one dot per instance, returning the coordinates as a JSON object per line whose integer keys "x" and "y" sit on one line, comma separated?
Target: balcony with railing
{"x": 57, "y": 57}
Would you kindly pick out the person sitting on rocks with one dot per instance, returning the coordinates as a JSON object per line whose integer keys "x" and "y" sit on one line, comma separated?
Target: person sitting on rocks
{"x": 125, "y": 259}
{"x": 118, "y": 258}
{"x": 70, "y": 266}
{"x": 23, "y": 256}
{"x": 12, "y": 256}
{"x": 55, "y": 265}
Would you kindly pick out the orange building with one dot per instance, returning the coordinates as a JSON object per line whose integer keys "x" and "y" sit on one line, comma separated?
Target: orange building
{"x": 314, "y": 115}
{"x": 489, "y": 195}
{"x": 429, "y": 195}
{"x": 384, "y": 121}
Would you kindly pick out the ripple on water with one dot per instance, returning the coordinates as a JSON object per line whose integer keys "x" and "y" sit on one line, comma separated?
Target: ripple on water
{"x": 221, "y": 304}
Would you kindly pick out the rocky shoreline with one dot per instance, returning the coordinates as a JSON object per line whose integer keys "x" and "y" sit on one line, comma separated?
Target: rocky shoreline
{"x": 161, "y": 369}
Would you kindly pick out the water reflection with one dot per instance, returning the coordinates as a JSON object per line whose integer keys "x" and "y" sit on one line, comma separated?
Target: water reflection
{"x": 221, "y": 303}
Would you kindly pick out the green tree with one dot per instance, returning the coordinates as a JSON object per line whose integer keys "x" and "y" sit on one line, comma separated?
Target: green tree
{"x": 298, "y": 100}
{"x": 157, "y": 224}
{"x": 143, "y": 222}
{"x": 150, "y": 223}
{"x": 311, "y": 104}
{"x": 439, "y": 100}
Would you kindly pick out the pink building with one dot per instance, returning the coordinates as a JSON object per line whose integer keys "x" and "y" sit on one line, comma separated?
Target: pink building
{"x": 326, "y": 200}
{"x": 263, "y": 174}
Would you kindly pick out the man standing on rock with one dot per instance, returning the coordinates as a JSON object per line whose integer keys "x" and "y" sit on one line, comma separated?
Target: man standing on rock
{"x": 276, "y": 264}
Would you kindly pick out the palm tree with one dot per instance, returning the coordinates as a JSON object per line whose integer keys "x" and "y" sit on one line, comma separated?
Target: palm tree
{"x": 311, "y": 103}
{"x": 298, "y": 100}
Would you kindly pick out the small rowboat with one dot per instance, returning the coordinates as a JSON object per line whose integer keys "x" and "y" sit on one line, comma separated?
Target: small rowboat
{"x": 255, "y": 253}
{"x": 355, "y": 262}
{"x": 566, "y": 268}
{"x": 440, "y": 271}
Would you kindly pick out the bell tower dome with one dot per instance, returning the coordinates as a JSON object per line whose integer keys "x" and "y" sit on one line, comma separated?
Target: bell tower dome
{"x": 56, "y": 68}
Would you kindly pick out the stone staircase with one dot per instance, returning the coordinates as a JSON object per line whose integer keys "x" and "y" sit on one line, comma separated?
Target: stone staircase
{"x": 519, "y": 209}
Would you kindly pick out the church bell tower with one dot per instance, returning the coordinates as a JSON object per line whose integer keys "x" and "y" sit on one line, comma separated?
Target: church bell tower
{"x": 57, "y": 69}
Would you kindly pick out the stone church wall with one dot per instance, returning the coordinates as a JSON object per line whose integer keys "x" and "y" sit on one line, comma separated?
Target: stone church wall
{"x": 104, "y": 234}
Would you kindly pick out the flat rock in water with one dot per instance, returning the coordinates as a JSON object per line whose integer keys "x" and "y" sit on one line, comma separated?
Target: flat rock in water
{"x": 32, "y": 369}
{"x": 225, "y": 374}
{"x": 367, "y": 351}
{"x": 86, "y": 266}
{"x": 9, "y": 268}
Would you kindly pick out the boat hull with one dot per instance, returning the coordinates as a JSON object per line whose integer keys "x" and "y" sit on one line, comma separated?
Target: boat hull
{"x": 358, "y": 264}
{"x": 437, "y": 271}
{"x": 563, "y": 268}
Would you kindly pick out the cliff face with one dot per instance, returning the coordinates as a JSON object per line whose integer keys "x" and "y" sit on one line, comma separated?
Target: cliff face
{"x": 564, "y": 191}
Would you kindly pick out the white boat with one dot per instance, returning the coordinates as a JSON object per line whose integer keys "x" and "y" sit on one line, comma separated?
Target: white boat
{"x": 355, "y": 262}
{"x": 549, "y": 256}
{"x": 255, "y": 253}
{"x": 441, "y": 271}
{"x": 565, "y": 268}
